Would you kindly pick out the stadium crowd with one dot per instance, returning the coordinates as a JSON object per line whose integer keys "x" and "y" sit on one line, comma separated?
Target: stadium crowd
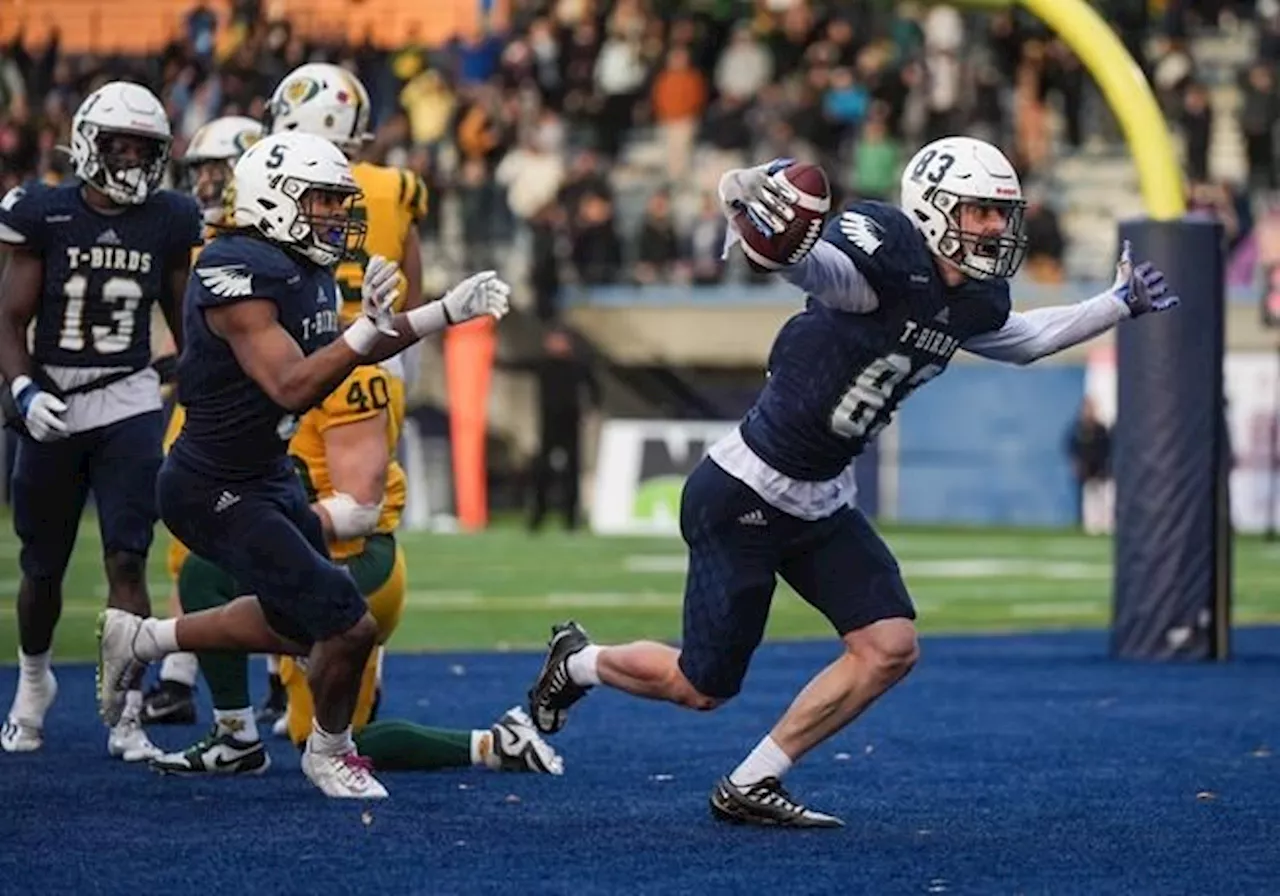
{"x": 591, "y": 132}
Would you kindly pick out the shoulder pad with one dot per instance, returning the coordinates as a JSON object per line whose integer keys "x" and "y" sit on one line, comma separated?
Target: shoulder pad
{"x": 880, "y": 240}
{"x": 22, "y": 212}
{"x": 233, "y": 268}
{"x": 186, "y": 222}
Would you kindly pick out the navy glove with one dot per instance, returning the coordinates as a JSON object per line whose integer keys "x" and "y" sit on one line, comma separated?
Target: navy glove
{"x": 1142, "y": 288}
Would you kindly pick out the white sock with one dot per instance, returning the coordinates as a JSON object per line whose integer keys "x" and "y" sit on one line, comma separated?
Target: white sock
{"x": 237, "y": 722}
{"x": 34, "y": 666}
{"x": 32, "y": 696}
{"x": 584, "y": 666}
{"x": 766, "y": 761}
{"x": 482, "y": 748}
{"x": 180, "y": 668}
{"x": 156, "y": 638}
{"x": 273, "y": 664}
{"x": 326, "y": 744}
{"x": 132, "y": 707}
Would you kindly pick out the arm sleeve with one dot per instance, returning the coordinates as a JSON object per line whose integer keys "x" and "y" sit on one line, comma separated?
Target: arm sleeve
{"x": 1031, "y": 335}
{"x": 831, "y": 277}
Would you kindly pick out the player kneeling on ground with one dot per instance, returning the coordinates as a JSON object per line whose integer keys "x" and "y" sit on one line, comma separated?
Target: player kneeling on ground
{"x": 263, "y": 346}
{"x": 893, "y": 293}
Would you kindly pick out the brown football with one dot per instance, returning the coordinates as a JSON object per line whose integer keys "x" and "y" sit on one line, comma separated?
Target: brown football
{"x": 773, "y": 253}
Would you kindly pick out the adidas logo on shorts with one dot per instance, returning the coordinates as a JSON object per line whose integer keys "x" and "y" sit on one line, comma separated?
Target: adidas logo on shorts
{"x": 753, "y": 518}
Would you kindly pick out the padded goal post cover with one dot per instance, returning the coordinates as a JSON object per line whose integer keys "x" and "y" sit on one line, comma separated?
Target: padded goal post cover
{"x": 1172, "y": 545}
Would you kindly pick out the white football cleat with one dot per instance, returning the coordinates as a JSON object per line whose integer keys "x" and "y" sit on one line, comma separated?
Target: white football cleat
{"x": 517, "y": 746}
{"x": 23, "y": 730}
{"x": 117, "y": 665}
{"x": 342, "y": 775}
{"x": 128, "y": 741}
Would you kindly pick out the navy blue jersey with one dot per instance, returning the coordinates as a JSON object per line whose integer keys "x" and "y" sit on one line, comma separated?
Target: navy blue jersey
{"x": 102, "y": 272}
{"x": 233, "y": 429}
{"x": 835, "y": 377}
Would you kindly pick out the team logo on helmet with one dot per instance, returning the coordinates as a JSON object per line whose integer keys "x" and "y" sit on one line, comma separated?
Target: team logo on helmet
{"x": 299, "y": 91}
{"x": 245, "y": 139}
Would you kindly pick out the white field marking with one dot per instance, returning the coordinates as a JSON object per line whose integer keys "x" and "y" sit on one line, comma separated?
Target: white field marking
{"x": 1065, "y": 608}
{"x": 974, "y": 568}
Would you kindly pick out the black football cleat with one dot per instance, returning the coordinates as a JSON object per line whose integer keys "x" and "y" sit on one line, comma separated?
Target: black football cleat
{"x": 554, "y": 691}
{"x": 765, "y": 804}
{"x": 169, "y": 703}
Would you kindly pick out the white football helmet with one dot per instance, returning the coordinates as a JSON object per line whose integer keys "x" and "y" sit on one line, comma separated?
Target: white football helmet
{"x": 270, "y": 186}
{"x": 955, "y": 172}
{"x": 221, "y": 141}
{"x": 321, "y": 99}
{"x": 120, "y": 108}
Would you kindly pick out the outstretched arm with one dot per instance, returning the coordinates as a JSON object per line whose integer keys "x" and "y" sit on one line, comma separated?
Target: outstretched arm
{"x": 1029, "y": 336}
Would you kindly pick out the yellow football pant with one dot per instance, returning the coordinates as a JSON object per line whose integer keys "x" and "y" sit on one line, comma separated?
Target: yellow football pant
{"x": 380, "y": 572}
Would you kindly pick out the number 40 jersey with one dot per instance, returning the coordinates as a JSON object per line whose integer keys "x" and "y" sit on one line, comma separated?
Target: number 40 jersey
{"x": 102, "y": 272}
{"x": 836, "y": 377}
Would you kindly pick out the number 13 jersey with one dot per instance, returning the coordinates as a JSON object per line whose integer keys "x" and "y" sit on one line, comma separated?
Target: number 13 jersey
{"x": 102, "y": 272}
{"x": 835, "y": 378}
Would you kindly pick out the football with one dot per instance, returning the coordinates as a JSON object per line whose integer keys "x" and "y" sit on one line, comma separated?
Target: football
{"x": 773, "y": 253}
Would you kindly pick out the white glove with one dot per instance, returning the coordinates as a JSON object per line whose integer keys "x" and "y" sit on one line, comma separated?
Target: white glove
{"x": 766, "y": 201}
{"x": 41, "y": 410}
{"x": 378, "y": 293}
{"x": 483, "y": 293}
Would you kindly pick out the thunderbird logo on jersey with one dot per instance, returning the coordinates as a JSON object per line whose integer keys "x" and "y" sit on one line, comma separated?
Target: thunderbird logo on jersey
{"x": 863, "y": 232}
{"x": 227, "y": 281}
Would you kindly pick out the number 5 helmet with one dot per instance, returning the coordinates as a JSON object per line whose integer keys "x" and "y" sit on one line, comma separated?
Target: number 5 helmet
{"x": 212, "y": 151}
{"x": 321, "y": 99}
{"x": 276, "y": 184}
{"x": 955, "y": 173}
{"x": 120, "y": 142}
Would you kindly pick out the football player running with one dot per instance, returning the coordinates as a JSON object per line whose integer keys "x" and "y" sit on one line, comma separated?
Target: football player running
{"x": 893, "y": 293}
{"x": 264, "y": 345}
{"x": 206, "y": 166}
{"x": 344, "y": 452}
{"x": 90, "y": 259}
{"x": 330, "y": 102}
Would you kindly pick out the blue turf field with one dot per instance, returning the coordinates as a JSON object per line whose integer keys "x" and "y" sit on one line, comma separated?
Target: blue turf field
{"x": 1021, "y": 764}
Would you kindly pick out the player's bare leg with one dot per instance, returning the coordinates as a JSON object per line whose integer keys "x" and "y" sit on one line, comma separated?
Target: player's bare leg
{"x": 875, "y": 659}
{"x": 39, "y": 608}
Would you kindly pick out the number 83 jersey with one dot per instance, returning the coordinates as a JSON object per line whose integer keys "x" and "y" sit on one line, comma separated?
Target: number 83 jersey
{"x": 102, "y": 272}
{"x": 836, "y": 377}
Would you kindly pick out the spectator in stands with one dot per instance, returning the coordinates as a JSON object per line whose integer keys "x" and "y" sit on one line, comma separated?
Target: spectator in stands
{"x": 1197, "y": 128}
{"x": 657, "y": 245}
{"x": 1046, "y": 246}
{"x": 745, "y": 67}
{"x": 704, "y": 244}
{"x": 877, "y": 159}
{"x": 597, "y": 251}
{"x": 679, "y": 99}
{"x": 1259, "y": 112}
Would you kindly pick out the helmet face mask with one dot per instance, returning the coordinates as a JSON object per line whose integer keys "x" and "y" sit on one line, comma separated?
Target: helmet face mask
{"x": 964, "y": 197}
{"x": 120, "y": 142}
{"x": 297, "y": 190}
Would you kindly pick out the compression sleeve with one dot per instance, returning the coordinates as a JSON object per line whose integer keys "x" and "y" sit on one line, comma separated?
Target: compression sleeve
{"x": 831, "y": 277}
{"x": 1031, "y": 335}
